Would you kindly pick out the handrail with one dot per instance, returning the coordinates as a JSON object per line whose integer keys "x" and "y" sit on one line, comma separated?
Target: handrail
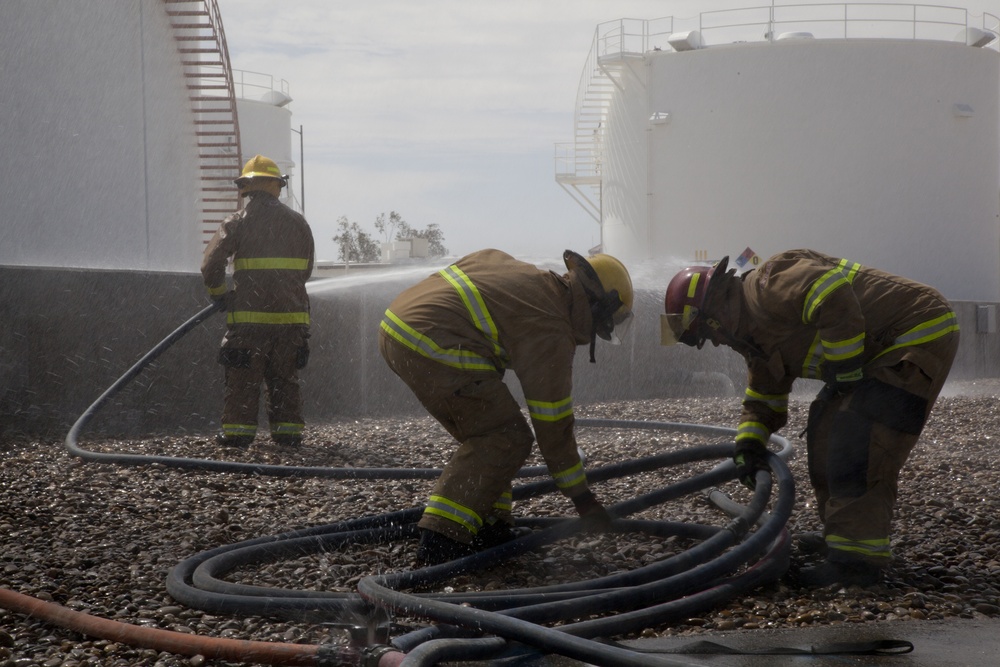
{"x": 244, "y": 79}
{"x": 845, "y": 20}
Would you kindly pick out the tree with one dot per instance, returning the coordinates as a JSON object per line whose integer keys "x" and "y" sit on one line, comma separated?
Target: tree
{"x": 388, "y": 227}
{"x": 355, "y": 244}
{"x": 433, "y": 234}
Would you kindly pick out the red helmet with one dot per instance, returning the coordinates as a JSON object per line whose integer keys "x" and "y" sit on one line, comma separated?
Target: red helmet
{"x": 684, "y": 302}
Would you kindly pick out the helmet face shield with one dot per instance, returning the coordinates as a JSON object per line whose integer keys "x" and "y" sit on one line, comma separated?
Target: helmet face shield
{"x": 684, "y": 319}
{"x": 621, "y": 325}
{"x": 609, "y": 287}
{"x": 679, "y": 327}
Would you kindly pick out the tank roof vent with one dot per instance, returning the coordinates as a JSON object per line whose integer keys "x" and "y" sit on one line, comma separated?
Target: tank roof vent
{"x": 975, "y": 37}
{"x": 686, "y": 41}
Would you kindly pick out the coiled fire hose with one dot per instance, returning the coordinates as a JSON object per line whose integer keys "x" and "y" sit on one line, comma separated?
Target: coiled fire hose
{"x": 749, "y": 550}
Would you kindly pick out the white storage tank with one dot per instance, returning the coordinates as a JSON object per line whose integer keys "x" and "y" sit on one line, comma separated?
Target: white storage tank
{"x": 102, "y": 167}
{"x": 782, "y": 127}
{"x": 266, "y": 125}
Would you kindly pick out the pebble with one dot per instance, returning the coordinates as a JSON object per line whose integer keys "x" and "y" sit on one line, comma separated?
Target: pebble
{"x": 101, "y": 539}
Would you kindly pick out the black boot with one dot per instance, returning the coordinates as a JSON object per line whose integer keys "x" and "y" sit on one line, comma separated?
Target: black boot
{"x": 842, "y": 573}
{"x": 811, "y": 544}
{"x": 495, "y": 534}
{"x": 242, "y": 441}
{"x": 436, "y": 548}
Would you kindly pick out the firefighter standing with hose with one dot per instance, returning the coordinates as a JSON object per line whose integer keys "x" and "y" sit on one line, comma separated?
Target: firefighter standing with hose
{"x": 266, "y": 341}
{"x": 882, "y": 344}
{"x": 450, "y": 338}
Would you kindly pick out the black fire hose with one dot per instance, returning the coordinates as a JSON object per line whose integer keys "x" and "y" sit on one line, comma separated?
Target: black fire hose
{"x": 751, "y": 549}
{"x": 120, "y": 458}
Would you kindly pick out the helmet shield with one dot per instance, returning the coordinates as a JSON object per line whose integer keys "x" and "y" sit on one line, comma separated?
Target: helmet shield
{"x": 684, "y": 304}
{"x": 607, "y": 283}
{"x": 257, "y": 172}
{"x": 622, "y": 319}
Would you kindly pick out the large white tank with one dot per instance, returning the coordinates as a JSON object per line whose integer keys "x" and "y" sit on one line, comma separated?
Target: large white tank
{"x": 266, "y": 125}
{"x": 882, "y": 149}
{"x": 100, "y": 163}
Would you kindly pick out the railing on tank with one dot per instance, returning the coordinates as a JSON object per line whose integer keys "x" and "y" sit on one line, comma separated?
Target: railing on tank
{"x": 578, "y": 163}
{"x": 625, "y": 37}
{"x": 256, "y": 85}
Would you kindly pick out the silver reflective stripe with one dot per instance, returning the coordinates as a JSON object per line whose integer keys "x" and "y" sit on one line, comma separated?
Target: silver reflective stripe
{"x": 570, "y": 477}
{"x": 476, "y": 305}
{"x": 448, "y": 509}
{"x": 777, "y": 402}
{"x": 925, "y": 332}
{"x": 549, "y": 411}
{"x": 411, "y": 338}
{"x": 813, "y": 360}
{"x": 752, "y": 431}
{"x": 877, "y": 548}
{"x": 844, "y": 349}
{"x": 825, "y": 285}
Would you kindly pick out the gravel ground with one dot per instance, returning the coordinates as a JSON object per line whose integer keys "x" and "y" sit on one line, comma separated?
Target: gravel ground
{"x": 101, "y": 539}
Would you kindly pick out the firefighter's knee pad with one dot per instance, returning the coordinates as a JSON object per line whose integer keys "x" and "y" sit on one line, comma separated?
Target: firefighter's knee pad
{"x": 847, "y": 460}
{"x": 890, "y": 406}
{"x": 234, "y": 357}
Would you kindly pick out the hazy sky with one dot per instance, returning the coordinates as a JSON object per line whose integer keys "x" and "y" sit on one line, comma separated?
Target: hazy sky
{"x": 447, "y": 111}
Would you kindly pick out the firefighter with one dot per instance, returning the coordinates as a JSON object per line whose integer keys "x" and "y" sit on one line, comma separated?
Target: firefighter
{"x": 883, "y": 346}
{"x": 450, "y": 338}
{"x": 266, "y": 340}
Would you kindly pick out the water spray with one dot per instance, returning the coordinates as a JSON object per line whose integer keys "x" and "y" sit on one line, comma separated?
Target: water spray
{"x": 747, "y": 551}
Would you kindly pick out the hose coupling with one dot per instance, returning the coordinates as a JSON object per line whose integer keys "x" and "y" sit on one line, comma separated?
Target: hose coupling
{"x": 371, "y": 656}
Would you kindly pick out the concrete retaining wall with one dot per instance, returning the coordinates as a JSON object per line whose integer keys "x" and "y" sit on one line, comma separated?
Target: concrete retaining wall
{"x": 68, "y": 335}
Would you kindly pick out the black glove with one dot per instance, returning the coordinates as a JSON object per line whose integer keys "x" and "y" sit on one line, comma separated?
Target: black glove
{"x": 749, "y": 457}
{"x": 222, "y": 301}
{"x": 594, "y": 516}
{"x": 302, "y": 356}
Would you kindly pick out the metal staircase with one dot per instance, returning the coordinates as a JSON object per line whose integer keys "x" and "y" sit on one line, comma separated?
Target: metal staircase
{"x": 197, "y": 27}
{"x": 578, "y": 164}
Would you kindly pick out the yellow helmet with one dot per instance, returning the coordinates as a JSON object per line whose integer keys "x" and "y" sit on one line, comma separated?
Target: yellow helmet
{"x": 610, "y": 288}
{"x": 613, "y": 276}
{"x": 258, "y": 174}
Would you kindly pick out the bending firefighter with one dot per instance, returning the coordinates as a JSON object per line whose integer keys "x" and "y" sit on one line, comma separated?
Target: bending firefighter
{"x": 882, "y": 344}
{"x": 451, "y": 337}
{"x": 266, "y": 341}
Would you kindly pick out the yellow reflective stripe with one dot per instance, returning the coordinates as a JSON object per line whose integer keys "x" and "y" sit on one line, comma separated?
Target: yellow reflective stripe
{"x": 216, "y": 291}
{"x": 449, "y": 509}
{"x": 550, "y": 411}
{"x": 287, "y": 428}
{"x": 505, "y": 503}
{"x": 693, "y": 285}
{"x": 476, "y": 306}
{"x": 690, "y": 312}
{"x": 814, "y": 359}
{"x": 752, "y": 431}
{"x": 925, "y": 332}
{"x": 570, "y": 477}
{"x": 826, "y": 285}
{"x": 239, "y": 429}
{"x": 251, "y": 317}
{"x": 416, "y": 341}
{"x": 777, "y": 402}
{"x": 844, "y": 349}
{"x": 295, "y": 263}
{"x": 877, "y": 548}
